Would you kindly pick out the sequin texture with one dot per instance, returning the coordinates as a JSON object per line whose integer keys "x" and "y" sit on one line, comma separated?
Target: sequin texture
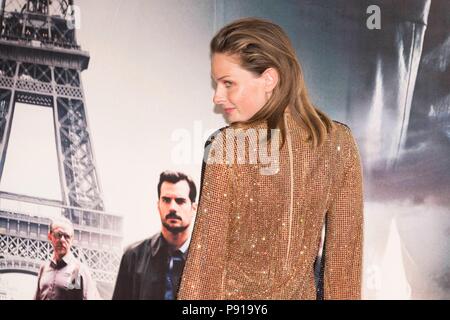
{"x": 260, "y": 234}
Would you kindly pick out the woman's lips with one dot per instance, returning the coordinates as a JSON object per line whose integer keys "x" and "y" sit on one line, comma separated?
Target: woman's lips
{"x": 229, "y": 110}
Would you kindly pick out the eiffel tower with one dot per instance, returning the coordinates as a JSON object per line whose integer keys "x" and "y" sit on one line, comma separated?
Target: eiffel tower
{"x": 40, "y": 64}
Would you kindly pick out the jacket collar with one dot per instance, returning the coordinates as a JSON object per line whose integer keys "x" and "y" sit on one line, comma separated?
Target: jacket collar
{"x": 159, "y": 244}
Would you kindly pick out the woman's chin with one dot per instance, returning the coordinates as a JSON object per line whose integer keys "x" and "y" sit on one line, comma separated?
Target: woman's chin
{"x": 231, "y": 118}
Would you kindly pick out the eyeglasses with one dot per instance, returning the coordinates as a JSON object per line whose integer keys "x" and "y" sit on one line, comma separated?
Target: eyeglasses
{"x": 59, "y": 235}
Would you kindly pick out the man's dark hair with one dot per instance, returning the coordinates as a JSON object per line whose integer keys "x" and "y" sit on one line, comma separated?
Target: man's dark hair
{"x": 174, "y": 177}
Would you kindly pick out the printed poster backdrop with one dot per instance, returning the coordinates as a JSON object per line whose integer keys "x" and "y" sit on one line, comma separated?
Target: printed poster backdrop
{"x": 148, "y": 106}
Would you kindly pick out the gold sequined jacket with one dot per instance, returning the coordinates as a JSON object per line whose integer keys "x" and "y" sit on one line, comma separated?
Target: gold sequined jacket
{"x": 257, "y": 233}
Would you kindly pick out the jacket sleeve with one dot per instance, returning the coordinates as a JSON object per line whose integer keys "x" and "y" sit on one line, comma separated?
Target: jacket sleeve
{"x": 123, "y": 289}
{"x": 204, "y": 270}
{"x": 344, "y": 228}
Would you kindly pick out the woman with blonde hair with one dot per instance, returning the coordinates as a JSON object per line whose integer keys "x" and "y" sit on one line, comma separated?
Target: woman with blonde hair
{"x": 258, "y": 231}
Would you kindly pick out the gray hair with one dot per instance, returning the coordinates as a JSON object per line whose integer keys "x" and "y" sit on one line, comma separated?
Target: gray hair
{"x": 60, "y": 220}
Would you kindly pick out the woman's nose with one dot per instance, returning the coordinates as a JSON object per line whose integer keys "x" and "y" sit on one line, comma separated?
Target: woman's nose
{"x": 218, "y": 97}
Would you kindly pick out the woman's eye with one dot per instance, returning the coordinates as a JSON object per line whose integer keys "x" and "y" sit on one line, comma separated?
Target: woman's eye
{"x": 227, "y": 84}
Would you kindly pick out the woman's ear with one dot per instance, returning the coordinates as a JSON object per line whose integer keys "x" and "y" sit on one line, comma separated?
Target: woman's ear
{"x": 270, "y": 76}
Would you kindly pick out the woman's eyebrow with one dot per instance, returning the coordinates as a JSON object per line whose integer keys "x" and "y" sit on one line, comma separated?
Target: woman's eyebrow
{"x": 212, "y": 78}
{"x": 223, "y": 77}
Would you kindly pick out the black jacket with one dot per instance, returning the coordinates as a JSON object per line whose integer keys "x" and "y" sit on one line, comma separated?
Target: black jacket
{"x": 142, "y": 271}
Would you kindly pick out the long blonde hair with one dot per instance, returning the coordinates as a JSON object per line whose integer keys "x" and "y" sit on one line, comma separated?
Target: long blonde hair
{"x": 261, "y": 44}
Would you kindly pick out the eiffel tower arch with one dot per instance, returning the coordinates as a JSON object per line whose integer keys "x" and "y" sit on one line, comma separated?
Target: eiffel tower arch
{"x": 40, "y": 64}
